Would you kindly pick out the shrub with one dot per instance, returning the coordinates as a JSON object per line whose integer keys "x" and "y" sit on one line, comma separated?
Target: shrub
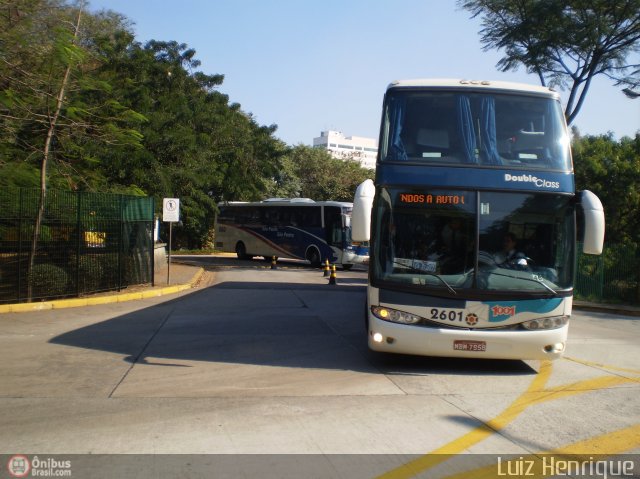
{"x": 48, "y": 280}
{"x": 90, "y": 274}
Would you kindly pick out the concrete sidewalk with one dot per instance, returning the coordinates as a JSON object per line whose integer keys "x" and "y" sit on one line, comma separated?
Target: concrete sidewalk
{"x": 182, "y": 277}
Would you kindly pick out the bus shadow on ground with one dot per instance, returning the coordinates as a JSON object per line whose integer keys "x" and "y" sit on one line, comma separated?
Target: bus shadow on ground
{"x": 294, "y": 325}
{"x": 409, "y": 365}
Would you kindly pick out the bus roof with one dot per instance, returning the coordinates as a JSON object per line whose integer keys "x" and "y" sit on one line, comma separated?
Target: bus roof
{"x": 287, "y": 202}
{"x": 475, "y": 85}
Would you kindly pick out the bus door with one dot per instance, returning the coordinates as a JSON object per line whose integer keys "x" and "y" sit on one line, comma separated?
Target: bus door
{"x": 334, "y": 227}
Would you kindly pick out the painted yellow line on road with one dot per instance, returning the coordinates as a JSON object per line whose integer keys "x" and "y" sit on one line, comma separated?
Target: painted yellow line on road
{"x": 608, "y": 444}
{"x": 476, "y": 435}
{"x": 553, "y": 463}
{"x": 603, "y": 366}
{"x": 536, "y": 393}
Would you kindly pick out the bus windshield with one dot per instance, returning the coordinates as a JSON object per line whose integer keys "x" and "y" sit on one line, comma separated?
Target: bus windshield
{"x": 448, "y": 242}
{"x": 475, "y": 128}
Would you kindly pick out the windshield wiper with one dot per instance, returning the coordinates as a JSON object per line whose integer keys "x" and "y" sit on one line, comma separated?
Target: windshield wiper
{"x": 428, "y": 273}
{"x": 539, "y": 281}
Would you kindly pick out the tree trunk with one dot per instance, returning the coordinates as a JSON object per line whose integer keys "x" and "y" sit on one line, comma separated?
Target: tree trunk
{"x": 45, "y": 159}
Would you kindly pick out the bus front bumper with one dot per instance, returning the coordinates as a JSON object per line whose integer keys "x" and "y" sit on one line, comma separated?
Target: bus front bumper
{"x": 390, "y": 337}
{"x": 349, "y": 257}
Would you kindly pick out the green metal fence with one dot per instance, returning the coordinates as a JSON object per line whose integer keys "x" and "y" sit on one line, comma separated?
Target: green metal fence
{"x": 88, "y": 242}
{"x": 613, "y": 277}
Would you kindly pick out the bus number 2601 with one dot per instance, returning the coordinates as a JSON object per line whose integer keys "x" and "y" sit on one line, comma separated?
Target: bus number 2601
{"x": 446, "y": 314}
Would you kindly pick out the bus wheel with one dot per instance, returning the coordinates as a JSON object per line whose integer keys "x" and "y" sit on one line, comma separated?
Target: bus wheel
{"x": 313, "y": 256}
{"x": 347, "y": 267}
{"x": 241, "y": 250}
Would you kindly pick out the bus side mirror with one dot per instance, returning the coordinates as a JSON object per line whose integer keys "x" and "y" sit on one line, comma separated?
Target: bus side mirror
{"x": 361, "y": 214}
{"x": 593, "y": 223}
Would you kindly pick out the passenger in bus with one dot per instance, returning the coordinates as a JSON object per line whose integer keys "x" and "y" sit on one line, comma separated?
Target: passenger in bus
{"x": 420, "y": 249}
{"x": 509, "y": 256}
{"x": 453, "y": 237}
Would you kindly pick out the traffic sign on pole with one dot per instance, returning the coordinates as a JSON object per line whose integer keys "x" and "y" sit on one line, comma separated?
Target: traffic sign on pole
{"x": 171, "y": 210}
{"x": 170, "y": 214}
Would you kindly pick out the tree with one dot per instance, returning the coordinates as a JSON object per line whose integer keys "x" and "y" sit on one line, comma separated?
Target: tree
{"x": 46, "y": 94}
{"x": 131, "y": 118}
{"x": 196, "y": 145}
{"x": 610, "y": 169}
{"x": 566, "y": 44}
{"x": 322, "y": 177}
{"x": 51, "y": 104}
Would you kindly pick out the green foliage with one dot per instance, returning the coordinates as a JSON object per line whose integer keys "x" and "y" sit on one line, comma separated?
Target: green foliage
{"x": 48, "y": 279}
{"x": 19, "y": 174}
{"x": 90, "y": 272}
{"x": 611, "y": 170}
{"x": 315, "y": 174}
{"x": 566, "y": 44}
{"x": 135, "y": 119}
{"x": 40, "y": 55}
{"x": 613, "y": 277}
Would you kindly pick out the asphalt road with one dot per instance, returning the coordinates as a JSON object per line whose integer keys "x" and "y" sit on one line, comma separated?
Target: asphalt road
{"x": 257, "y": 361}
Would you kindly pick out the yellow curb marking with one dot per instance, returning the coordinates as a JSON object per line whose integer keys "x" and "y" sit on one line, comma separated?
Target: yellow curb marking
{"x": 92, "y": 301}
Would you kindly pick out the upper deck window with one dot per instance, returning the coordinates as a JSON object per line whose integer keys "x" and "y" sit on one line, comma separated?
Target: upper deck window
{"x": 484, "y": 129}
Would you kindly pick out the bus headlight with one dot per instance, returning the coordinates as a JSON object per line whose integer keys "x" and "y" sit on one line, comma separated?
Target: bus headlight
{"x": 554, "y": 322}
{"x": 395, "y": 316}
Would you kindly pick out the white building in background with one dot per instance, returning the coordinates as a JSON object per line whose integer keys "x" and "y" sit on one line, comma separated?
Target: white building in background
{"x": 364, "y": 150}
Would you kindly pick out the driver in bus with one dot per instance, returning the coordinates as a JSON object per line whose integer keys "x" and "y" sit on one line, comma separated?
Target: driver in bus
{"x": 509, "y": 256}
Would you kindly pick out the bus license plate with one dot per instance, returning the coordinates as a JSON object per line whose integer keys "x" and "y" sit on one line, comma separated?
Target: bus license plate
{"x": 470, "y": 346}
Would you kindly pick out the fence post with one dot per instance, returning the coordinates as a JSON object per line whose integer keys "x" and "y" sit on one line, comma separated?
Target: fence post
{"x": 152, "y": 246}
{"x": 20, "y": 214}
{"x": 120, "y": 246}
{"x": 638, "y": 274}
{"x": 78, "y": 235}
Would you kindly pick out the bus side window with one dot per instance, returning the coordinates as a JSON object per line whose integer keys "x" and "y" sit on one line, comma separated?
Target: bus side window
{"x": 284, "y": 217}
{"x": 249, "y": 216}
{"x": 310, "y": 217}
{"x": 268, "y": 216}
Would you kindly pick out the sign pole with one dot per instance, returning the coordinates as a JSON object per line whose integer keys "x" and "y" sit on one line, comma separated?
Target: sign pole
{"x": 169, "y": 255}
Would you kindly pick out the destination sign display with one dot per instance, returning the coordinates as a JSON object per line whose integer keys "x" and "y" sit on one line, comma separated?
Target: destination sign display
{"x": 435, "y": 199}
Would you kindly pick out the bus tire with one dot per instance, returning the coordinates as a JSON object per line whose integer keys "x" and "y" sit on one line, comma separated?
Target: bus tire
{"x": 241, "y": 251}
{"x": 347, "y": 267}
{"x": 313, "y": 256}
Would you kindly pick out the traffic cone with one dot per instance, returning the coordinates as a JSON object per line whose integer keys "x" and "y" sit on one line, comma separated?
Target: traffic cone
{"x": 327, "y": 269}
{"x": 332, "y": 278}
{"x": 273, "y": 263}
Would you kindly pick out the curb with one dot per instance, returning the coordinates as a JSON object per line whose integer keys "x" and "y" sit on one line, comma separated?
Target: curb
{"x": 93, "y": 301}
{"x": 618, "y": 309}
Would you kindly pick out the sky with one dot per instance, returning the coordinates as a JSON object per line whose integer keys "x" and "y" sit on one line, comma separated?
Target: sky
{"x": 309, "y": 66}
